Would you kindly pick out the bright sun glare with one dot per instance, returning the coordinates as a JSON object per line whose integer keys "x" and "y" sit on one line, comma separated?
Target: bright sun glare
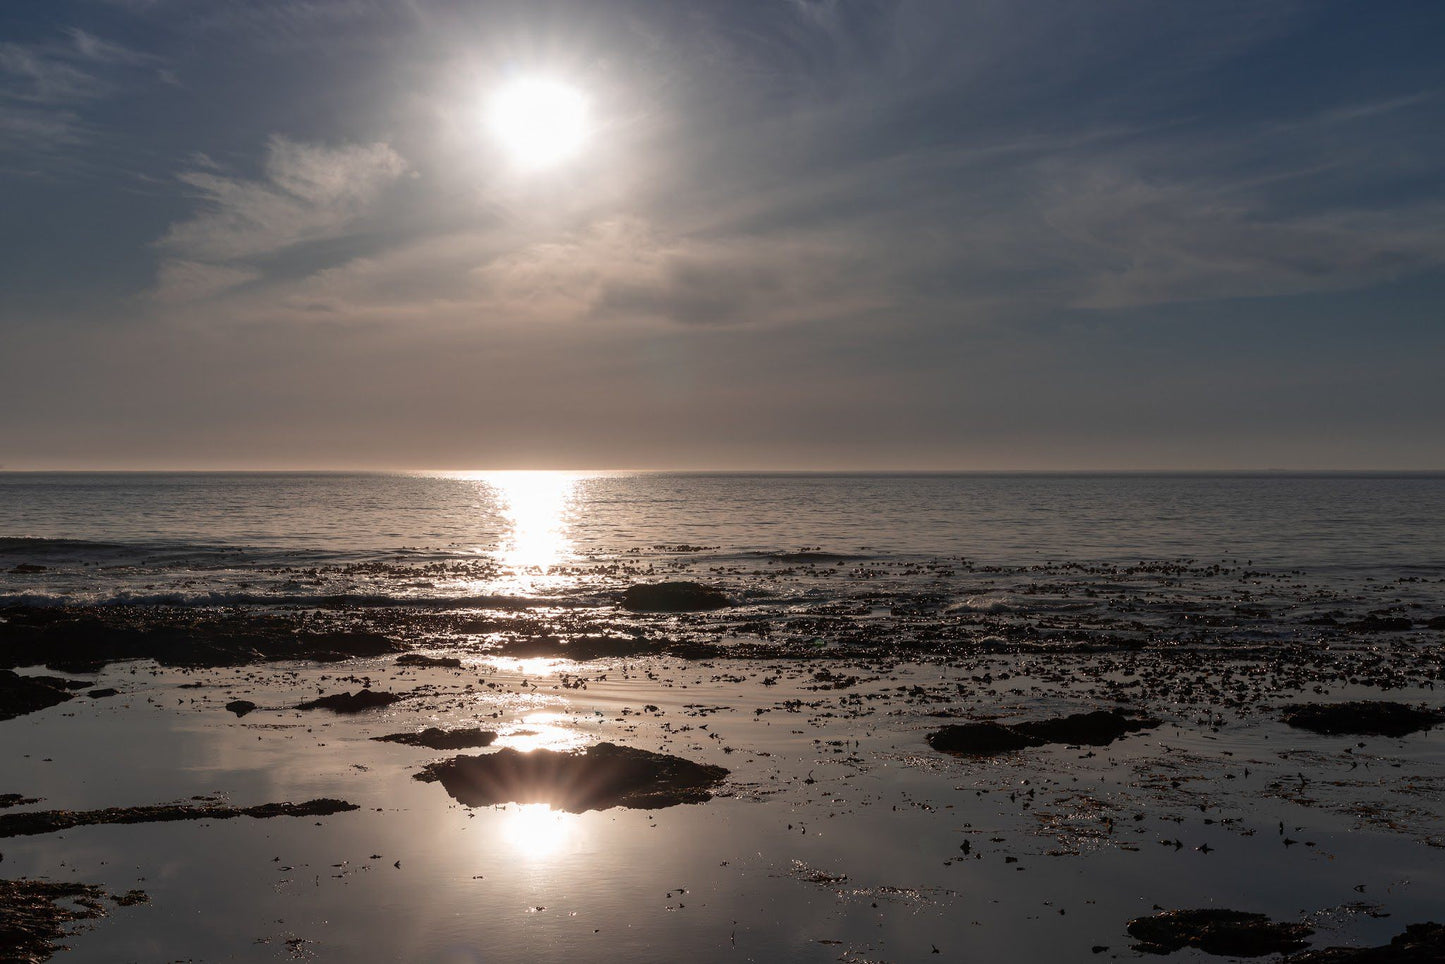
{"x": 541, "y": 122}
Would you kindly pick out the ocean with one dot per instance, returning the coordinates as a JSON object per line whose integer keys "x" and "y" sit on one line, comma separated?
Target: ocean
{"x": 1251, "y": 556}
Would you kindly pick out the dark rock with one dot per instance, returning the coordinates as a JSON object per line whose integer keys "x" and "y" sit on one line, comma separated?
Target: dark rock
{"x": 8, "y": 800}
{"x": 51, "y": 821}
{"x": 87, "y": 638}
{"x": 981, "y": 739}
{"x": 351, "y": 702}
{"x": 240, "y": 707}
{"x": 26, "y": 694}
{"x": 28, "y": 569}
{"x": 1098, "y": 728}
{"x": 673, "y": 597}
{"x": 418, "y": 659}
{"x": 1361, "y": 717}
{"x": 438, "y": 739}
{"x": 1420, "y": 944}
{"x": 599, "y": 777}
{"x": 1216, "y": 931}
{"x": 102, "y": 692}
{"x": 1437, "y": 622}
{"x": 34, "y": 915}
{"x": 583, "y": 647}
{"x": 1379, "y": 624}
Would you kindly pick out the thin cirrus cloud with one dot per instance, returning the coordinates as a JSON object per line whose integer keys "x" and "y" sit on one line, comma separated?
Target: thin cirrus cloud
{"x": 308, "y": 192}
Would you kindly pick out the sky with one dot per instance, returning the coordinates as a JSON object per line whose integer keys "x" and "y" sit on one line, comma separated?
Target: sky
{"x": 795, "y": 234}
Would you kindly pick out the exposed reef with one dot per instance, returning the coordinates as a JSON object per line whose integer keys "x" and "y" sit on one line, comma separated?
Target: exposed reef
{"x": 438, "y": 739}
{"x": 357, "y": 702}
{"x": 1097, "y": 728}
{"x": 53, "y": 821}
{"x": 1216, "y": 931}
{"x": 1362, "y": 718}
{"x": 673, "y": 597}
{"x": 602, "y": 776}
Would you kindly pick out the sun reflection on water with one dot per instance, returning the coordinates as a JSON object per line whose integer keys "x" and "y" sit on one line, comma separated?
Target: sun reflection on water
{"x": 535, "y": 505}
{"x": 535, "y": 829}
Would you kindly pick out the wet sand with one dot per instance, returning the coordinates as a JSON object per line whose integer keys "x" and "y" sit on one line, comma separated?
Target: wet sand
{"x": 838, "y": 833}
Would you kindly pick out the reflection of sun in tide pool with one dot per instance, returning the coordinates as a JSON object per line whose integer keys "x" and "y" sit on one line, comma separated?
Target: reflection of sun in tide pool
{"x": 535, "y": 829}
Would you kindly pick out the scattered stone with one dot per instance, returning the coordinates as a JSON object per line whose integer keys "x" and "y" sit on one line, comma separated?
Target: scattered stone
{"x": 1362, "y": 717}
{"x": 673, "y": 597}
{"x": 26, "y": 694}
{"x": 1420, "y": 944}
{"x": 53, "y": 821}
{"x": 418, "y": 659}
{"x": 240, "y": 707}
{"x": 356, "y": 702}
{"x": 438, "y": 739}
{"x": 1098, "y": 728}
{"x": 34, "y": 915}
{"x": 602, "y": 776}
{"x": 1216, "y": 931}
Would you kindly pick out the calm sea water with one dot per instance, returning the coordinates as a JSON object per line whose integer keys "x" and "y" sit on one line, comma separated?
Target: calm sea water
{"x": 432, "y": 538}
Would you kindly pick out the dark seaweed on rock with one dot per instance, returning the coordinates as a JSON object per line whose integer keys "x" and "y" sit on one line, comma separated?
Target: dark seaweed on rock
{"x": 1097, "y": 728}
{"x": 436, "y": 738}
{"x": 75, "y": 639}
{"x": 52, "y": 821}
{"x": 26, "y": 694}
{"x": 981, "y": 739}
{"x": 419, "y": 659}
{"x": 1216, "y": 931}
{"x": 600, "y": 777}
{"x": 34, "y": 915}
{"x": 673, "y": 597}
{"x": 1361, "y": 717}
{"x": 357, "y": 702}
{"x": 1420, "y": 944}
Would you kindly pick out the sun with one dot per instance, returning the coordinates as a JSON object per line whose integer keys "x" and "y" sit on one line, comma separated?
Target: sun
{"x": 541, "y": 122}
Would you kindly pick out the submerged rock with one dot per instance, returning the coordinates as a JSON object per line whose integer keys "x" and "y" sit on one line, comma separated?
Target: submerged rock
{"x": 597, "y": 778}
{"x": 1098, "y": 728}
{"x": 418, "y": 659}
{"x": 51, "y": 821}
{"x": 438, "y": 739}
{"x": 356, "y": 702}
{"x": 26, "y": 694}
{"x": 673, "y": 597}
{"x": 240, "y": 707}
{"x": 34, "y": 915}
{"x": 1420, "y": 944}
{"x": 1361, "y": 717}
{"x": 1216, "y": 931}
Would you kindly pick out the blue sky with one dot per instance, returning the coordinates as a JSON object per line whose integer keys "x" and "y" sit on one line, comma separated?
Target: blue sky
{"x": 799, "y": 234}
